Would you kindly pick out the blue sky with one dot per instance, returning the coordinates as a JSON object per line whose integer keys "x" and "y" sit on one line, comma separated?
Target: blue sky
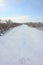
{"x": 30, "y": 8}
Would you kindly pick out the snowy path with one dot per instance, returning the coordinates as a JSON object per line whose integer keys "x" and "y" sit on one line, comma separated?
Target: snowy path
{"x": 22, "y": 46}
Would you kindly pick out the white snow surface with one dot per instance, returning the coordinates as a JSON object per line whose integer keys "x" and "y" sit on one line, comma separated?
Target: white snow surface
{"x": 23, "y": 45}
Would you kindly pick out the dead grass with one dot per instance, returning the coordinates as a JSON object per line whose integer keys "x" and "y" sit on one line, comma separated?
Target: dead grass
{"x": 35, "y": 25}
{"x": 5, "y": 26}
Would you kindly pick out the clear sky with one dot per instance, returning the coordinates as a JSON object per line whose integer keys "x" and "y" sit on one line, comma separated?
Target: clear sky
{"x": 21, "y": 8}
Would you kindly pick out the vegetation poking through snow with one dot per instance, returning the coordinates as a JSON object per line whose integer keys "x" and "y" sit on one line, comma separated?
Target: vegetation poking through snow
{"x": 35, "y": 25}
{"x": 8, "y": 24}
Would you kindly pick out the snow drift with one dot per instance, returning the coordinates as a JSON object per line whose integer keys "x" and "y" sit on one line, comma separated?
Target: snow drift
{"x": 22, "y": 46}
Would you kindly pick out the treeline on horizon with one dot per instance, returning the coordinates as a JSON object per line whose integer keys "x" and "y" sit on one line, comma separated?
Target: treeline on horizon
{"x": 10, "y": 24}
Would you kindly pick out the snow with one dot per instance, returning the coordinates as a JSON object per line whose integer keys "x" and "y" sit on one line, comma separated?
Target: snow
{"x": 23, "y": 45}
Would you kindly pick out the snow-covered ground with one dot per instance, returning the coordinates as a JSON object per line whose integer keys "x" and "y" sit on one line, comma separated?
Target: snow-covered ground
{"x": 23, "y": 45}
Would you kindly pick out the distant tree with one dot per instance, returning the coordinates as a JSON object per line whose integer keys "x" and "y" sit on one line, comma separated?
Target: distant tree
{"x": 9, "y": 21}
